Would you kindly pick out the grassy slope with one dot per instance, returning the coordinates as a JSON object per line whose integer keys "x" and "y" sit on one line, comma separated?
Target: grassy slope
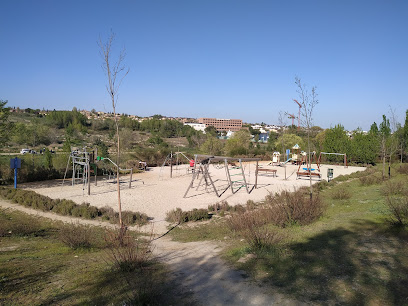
{"x": 351, "y": 255}
{"x": 37, "y": 268}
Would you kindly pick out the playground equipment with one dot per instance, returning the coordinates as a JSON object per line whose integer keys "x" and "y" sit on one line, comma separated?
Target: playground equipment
{"x": 338, "y": 154}
{"x": 82, "y": 162}
{"x": 309, "y": 171}
{"x": 234, "y": 172}
{"x": 99, "y": 158}
{"x": 276, "y": 158}
{"x": 174, "y": 159}
{"x": 81, "y": 167}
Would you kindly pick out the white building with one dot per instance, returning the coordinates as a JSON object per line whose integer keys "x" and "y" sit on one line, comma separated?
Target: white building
{"x": 197, "y": 126}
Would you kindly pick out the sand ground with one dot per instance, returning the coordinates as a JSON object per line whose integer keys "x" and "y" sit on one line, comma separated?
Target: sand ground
{"x": 154, "y": 193}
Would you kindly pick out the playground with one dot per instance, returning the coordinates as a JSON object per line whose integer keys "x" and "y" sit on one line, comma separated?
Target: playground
{"x": 155, "y": 193}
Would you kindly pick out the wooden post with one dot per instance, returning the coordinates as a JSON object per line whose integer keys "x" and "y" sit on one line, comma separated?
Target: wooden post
{"x": 171, "y": 164}
{"x": 89, "y": 176}
{"x": 256, "y": 175}
{"x": 130, "y": 181}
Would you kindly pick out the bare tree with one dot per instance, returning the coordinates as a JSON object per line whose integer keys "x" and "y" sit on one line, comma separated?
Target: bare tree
{"x": 115, "y": 72}
{"x": 308, "y": 100}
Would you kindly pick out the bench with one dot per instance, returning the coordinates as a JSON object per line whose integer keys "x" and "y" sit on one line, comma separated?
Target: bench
{"x": 273, "y": 171}
{"x": 307, "y": 174}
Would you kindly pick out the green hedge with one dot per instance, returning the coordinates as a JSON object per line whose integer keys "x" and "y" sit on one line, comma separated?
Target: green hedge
{"x": 64, "y": 207}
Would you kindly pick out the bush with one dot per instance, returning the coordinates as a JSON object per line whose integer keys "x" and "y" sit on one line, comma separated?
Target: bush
{"x": 127, "y": 253}
{"x": 219, "y": 207}
{"x": 394, "y": 188}
{"x": 250, "y": 226}
{"x": 398, "y": 210}
{"x": 76, "y": 236}
{"x": 179, "y": 216}
{"x": 320, "y": 186}
{"x": 289, "y": 208}
{"x": 341, "y": 193}
{"x": 370, "y": 180}
{"x": 403, "y": 169}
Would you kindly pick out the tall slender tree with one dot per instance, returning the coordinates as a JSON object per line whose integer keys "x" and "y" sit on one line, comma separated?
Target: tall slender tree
{"x": 308, "y": 100}
{"x": 115, "y": 72}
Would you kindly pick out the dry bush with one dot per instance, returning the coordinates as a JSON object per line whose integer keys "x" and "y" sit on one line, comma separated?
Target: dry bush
{"x": 250, "y": 225}
{"x": 296, "y": 207}
{"x": 126, "y": 252}
{"x": 179, "y": 216}
{"x": 369, "y": 180}
{"x": 394, "y": 188}
{"x": 128, "y": 217}
{"x": 403, "y": 169}
{"x": 219, "y": 206}
{"x": 399, "y": 210}
{"x": 76, "y": 236}
{"x": 341, "y": 193}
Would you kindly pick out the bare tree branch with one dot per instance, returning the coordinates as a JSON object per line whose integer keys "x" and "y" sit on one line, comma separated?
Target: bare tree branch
{"x": 113, "y": 71}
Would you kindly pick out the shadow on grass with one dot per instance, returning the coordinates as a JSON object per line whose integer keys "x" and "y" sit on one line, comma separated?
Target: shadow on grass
{"x": 357, "y": 265}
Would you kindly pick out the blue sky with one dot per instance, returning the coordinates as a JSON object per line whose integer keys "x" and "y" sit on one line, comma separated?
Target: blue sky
{"x": 210, "y": 58}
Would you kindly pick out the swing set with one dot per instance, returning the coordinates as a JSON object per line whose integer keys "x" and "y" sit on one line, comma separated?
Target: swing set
{"x": 234, "y": 170}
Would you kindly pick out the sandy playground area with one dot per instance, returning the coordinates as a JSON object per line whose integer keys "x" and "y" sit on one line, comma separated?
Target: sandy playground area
{"x": 154, "y": 193}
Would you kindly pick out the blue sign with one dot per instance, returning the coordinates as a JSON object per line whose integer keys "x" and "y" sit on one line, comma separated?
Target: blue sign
{"x": 15, "y": 163}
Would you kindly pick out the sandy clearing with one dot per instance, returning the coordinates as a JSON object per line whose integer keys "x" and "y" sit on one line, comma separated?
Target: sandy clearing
{"x": 155, "y": 193}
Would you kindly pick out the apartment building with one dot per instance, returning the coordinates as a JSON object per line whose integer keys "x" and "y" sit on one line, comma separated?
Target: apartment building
{"x": 222, "y": 124}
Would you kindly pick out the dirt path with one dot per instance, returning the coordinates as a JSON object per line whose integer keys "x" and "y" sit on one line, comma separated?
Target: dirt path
{"x": 195, "y": 266}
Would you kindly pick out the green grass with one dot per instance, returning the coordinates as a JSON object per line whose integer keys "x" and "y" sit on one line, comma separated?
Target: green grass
{"x": 351, "y": 255}
{"x": 37, "y": 268}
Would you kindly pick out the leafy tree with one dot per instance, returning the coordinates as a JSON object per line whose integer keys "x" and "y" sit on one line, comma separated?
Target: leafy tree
{"x": 364, "y": 148}
{"x": 288, "y": 141}
{"x": 239, "y": 143}
{"x": 336, "y": 141}
{"x": 212, "y": 145}
{"x": 211, "y": 130}
{"x": 384, "y": 136}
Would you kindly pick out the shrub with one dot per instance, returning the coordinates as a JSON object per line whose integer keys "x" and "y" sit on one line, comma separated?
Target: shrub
{"x": 394, "y": 188}
{"x": 130, "y": 218}
{"x": 250, "y": 205}
{"x": 341, "y": 193}
{"x": 296, "y": 207}
{"x": 179, "y": 216}
{"x": 250, "y": 226}
{"x": 370, "y": 180}
{"x": 75, "y": 236}
{"x": 219, "y": 206}
{"x": 341, "y": 178}
{"x": 398, "y": 210}
{"x": 64, "y": 207}
{"x": 127, "y": 253}
{"x": 403, "y": 169}
{"x": 320, "y": 186}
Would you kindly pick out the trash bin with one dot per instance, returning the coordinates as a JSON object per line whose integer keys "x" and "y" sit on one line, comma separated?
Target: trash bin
{"x": 329, "y": 174}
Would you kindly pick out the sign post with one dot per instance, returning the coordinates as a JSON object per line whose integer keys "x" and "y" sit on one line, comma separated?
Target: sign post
{"x": 15, "y": 163}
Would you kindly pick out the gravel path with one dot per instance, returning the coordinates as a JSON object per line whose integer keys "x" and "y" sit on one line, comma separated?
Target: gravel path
{"x": 195, "y": 266}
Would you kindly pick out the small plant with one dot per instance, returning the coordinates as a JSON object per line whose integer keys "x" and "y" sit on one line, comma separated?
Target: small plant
{"x": 250, "y": 205}
{"x": 75, "y": 236}
{"x": 399, "y": 210}
{"x": 222, "y": 206}
{"x": 250, "y": 226}
{"x": 394, "y": 188}
{"x": 403, "y": 169}
{"x": 297, "y": 207}
{"x": 370, "y": 180}
{"x": 126, "y": 252}
{"x": 341, "y": 193}
{"x": 179, "y": 216}
{"x": 322, "y": 185}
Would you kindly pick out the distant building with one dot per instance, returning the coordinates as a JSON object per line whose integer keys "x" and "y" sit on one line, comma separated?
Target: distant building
{"x": 197, "y": 126}
{"x": 222, "y": 124}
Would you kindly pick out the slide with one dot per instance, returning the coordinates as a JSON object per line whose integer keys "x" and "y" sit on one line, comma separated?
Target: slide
{"x": 286, "y": 161}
